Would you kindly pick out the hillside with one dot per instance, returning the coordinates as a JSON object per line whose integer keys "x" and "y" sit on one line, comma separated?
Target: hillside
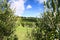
{"x": 29, "y": 21}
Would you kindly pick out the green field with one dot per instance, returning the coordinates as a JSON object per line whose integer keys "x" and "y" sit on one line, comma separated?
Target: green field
{"x": 21, "y": 32}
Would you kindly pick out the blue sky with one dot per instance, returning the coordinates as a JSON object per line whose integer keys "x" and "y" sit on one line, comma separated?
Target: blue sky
{"x": 27, "y": 8}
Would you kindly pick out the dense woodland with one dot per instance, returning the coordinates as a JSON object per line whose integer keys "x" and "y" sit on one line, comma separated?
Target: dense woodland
{"x": 46, "y": 27}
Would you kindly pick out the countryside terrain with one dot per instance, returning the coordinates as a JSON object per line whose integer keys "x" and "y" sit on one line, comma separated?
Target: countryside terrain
{"x": 45, "y": 27}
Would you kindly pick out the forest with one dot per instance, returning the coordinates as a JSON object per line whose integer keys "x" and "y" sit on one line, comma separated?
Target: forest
{"x": 46, "y": 27}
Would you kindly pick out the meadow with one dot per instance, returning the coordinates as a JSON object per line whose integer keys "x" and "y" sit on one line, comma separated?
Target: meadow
{"x": 22, "y": 32}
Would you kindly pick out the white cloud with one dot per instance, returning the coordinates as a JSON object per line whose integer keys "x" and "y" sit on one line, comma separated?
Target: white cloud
{"x": 18, "y": 5}
{"x": 29, "y": 6}
{"x": 41, "y": 1}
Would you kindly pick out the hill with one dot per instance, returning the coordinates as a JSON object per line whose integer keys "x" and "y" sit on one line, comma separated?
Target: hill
{"x": 29, "y": 21}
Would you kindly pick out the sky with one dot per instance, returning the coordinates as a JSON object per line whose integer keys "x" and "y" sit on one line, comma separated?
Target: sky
{"x": 27, "y": 8}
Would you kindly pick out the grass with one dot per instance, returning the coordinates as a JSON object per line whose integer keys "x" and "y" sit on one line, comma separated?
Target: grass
{"x": 21, "y": 32}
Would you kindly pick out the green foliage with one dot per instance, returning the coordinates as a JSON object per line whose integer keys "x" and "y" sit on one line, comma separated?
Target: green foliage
{"x": 7, "y": 19}
{"x": 28, "y": 21}
{"x": 49, "y": 26}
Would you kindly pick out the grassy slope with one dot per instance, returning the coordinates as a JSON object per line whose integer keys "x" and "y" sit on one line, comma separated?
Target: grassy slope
{"x": 21, "y": 32}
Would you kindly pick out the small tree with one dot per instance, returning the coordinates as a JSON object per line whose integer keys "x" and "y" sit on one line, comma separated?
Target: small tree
{"x": 7, "y": 21}
{"x": 49, "y": 25}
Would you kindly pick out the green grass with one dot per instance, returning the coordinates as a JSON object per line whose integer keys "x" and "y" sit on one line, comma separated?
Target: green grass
{"x": 21, "y": 32}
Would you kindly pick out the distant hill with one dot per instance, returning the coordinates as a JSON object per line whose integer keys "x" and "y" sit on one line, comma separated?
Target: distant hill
{"x": 29, "y": 19}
